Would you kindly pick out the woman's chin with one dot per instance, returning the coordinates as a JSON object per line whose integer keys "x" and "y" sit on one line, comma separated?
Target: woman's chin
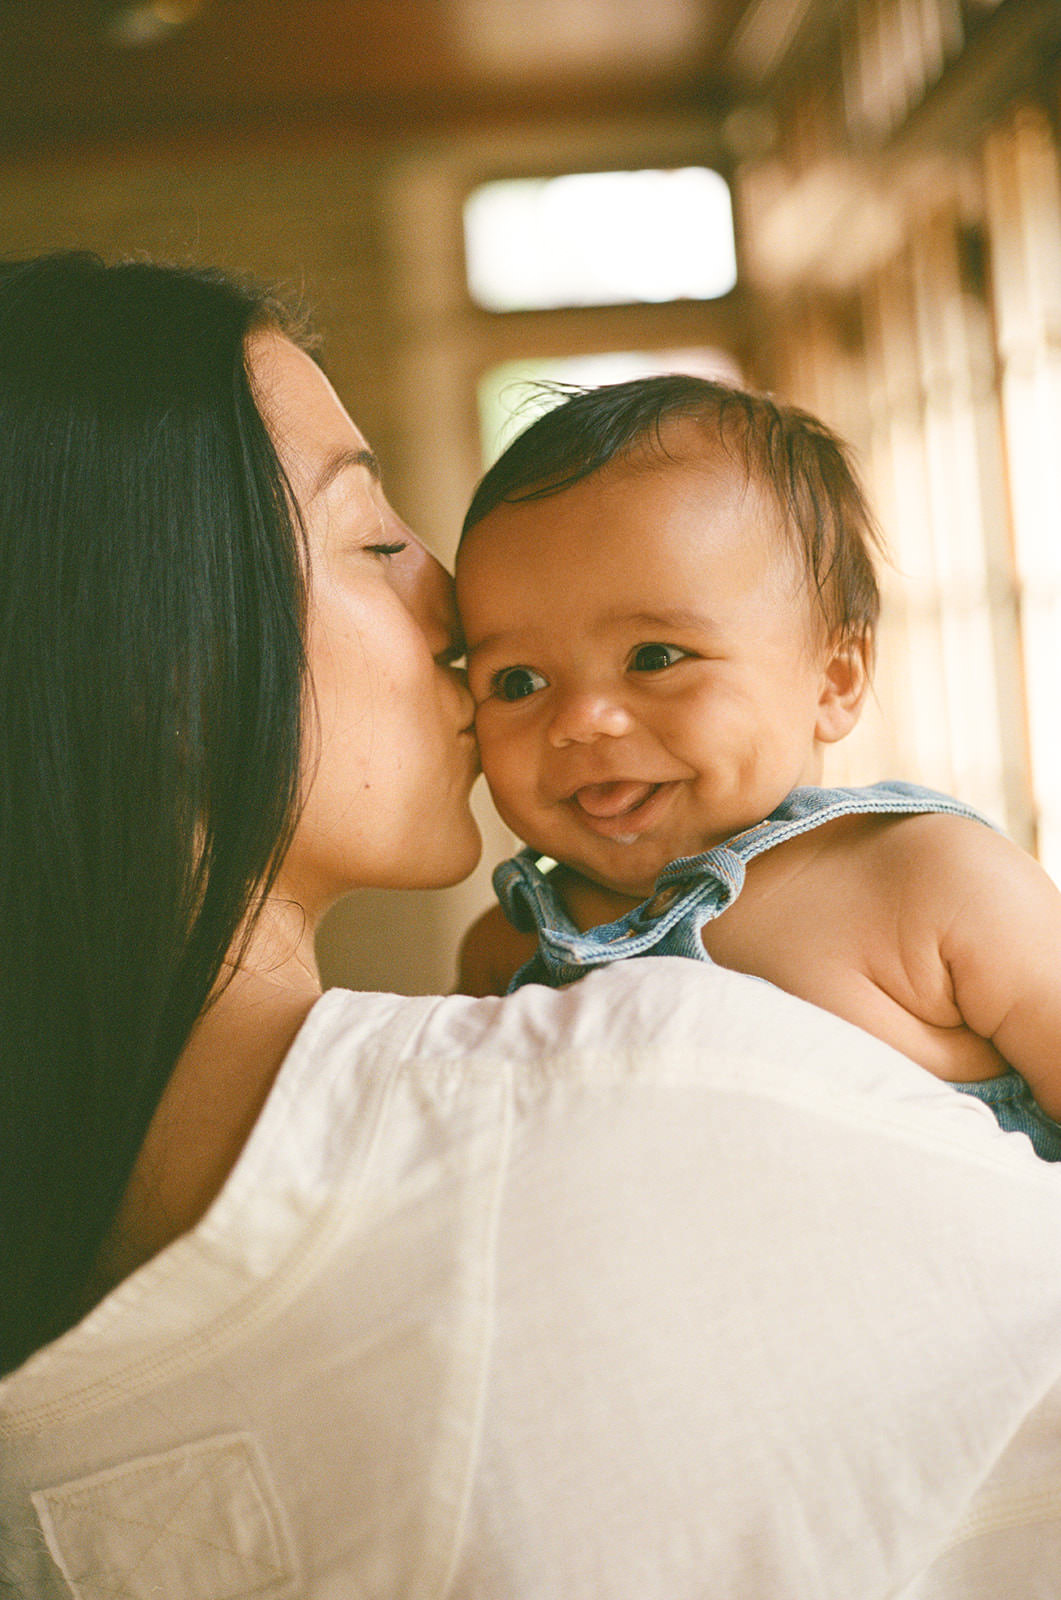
{"x": 465, "y": 862}
{"x": 435, "y": 868}
{"x": 437, "y": 863}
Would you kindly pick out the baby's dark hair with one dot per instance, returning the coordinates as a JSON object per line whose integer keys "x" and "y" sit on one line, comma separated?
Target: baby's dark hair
{"x": 793, "y": 455}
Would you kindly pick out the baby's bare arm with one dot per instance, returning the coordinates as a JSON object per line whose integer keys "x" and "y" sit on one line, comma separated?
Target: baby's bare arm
{"x": 491, "y": 953}
{"x": 998, "y": 917}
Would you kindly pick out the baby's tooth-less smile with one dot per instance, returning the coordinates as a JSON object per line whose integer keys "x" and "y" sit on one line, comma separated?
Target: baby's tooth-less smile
{"x": 613, "y": 799}
{"x": 622, "y": 810}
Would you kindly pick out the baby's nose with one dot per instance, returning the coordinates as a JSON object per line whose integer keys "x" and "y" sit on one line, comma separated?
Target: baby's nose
{"x": 582, "y": 718}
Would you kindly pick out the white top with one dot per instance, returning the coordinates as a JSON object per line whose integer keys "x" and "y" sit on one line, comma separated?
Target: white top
{"x": 663, "y": 1286}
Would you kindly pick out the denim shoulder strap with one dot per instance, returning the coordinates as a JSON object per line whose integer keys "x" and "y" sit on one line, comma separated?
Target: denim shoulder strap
{"x": 689, "y": 891}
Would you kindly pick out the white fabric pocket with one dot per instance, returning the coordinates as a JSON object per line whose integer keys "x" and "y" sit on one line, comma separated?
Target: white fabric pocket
{"x": 197, "y": 1523}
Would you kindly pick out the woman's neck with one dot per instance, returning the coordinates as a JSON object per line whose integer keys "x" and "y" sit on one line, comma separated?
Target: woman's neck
{"x": 216, "y": 1093}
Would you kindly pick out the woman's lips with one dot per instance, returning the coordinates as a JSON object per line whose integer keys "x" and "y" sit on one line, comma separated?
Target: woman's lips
{"x": 621, "y": 810}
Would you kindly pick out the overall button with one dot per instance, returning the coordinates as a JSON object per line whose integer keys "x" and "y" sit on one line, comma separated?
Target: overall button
{"x": 661, "y": 902}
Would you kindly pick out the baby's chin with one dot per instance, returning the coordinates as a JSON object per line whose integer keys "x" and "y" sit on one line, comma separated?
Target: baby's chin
{"x": 594, "y": 898}
{"x": 631, "y": 881}
{"x": 631, "y": 886}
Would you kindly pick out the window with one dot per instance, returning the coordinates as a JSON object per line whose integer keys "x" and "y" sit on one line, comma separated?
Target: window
{"x": 1024, "y": 209}
{"x": 956, "y": 398}
{"x": 600, "y": 238}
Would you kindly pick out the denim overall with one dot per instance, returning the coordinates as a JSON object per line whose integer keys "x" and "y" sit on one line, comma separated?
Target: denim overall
{"x": 695, "y": 889}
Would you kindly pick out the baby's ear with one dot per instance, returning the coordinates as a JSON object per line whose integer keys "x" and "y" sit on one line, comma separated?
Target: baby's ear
{"x": 845, "y": 681}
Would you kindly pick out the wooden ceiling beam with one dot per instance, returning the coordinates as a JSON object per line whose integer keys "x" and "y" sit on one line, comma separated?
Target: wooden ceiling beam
{"x": 381, "y": 65}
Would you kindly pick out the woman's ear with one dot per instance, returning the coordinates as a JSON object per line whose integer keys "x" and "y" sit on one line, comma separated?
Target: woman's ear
{"x": 845, "y": 681}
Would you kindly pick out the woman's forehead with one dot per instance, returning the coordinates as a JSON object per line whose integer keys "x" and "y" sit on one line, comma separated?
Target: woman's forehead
{"x": 310, "y": 426}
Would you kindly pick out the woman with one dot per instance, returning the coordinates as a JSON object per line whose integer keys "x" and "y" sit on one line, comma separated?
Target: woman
{"x": 660, "y": 1285}
{"x": 153, "y": 664}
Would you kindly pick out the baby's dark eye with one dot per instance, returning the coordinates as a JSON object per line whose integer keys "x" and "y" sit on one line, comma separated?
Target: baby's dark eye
{"x": 654, "y": 657}
{"x": 516, "y": 683}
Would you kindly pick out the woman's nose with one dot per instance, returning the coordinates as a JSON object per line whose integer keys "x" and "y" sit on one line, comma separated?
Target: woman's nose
{"x": 587, "y": 715}
{"x": 427, "y": 590}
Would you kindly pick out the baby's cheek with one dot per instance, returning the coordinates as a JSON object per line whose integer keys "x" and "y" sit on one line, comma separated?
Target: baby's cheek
{"x": 506, "y": 764}
{"x": 485, "y": 732}
{"x": 500, "y": 768}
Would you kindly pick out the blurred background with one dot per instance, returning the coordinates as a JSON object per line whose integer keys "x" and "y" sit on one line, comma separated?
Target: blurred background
{"x": 853, "y": 203}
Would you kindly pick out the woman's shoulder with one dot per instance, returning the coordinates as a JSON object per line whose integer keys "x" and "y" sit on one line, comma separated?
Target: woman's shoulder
{"x": 666, "y": 1013}
{"x": 385, "y": 1098}
{"x": 668, "y": 1025}
{"x": 473, "y": 1242}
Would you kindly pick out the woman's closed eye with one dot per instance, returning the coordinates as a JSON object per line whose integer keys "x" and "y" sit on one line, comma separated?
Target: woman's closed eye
{"x": 394, "y": 549}
{"x": 516, "y": 683}
{"x": 656, "y": 657}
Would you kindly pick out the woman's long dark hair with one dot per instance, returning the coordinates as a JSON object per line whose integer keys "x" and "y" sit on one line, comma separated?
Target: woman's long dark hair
{"x": 151, "y": 669}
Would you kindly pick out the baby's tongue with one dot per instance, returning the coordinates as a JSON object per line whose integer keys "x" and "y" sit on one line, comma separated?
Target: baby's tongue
{"x": 612, "y": 799}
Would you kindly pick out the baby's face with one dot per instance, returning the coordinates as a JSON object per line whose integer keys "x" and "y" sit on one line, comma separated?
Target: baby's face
{"x": 646, "y": 670}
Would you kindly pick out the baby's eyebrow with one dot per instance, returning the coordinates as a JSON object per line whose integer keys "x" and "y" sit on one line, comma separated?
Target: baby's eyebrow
{"x": 671, "y": 617}
{"x": 679, "y": 617}
{"x": 487, "y": 642}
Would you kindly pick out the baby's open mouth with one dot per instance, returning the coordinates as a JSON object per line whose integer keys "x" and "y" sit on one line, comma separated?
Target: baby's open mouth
{"x": 616, "y": 799}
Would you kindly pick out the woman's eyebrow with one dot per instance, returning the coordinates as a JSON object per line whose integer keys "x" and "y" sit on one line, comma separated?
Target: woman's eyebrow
{"x": 340, "y": 462}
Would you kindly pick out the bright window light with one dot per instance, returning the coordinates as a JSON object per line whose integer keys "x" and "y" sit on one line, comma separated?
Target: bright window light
{"x": 509, "y": 398}
{"x": 600, "y": 238}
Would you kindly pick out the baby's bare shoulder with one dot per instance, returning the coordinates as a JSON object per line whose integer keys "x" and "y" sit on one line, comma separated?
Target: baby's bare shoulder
{"x": 938, "y": 844}
{"x": 940, "y": 864}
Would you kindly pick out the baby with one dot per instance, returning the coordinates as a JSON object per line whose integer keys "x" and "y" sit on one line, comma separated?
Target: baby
{"x": 668, "y": 596}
